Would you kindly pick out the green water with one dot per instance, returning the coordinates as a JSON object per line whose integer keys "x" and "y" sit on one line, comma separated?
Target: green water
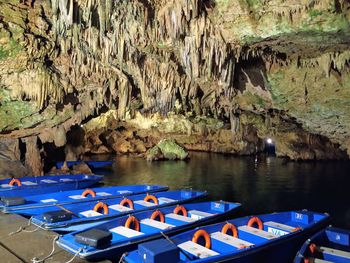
{"x": 261, "y": 184}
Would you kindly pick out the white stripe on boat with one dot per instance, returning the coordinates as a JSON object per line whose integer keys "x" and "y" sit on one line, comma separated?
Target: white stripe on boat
{"x": 66, "y": 180}
{"x": 124, "y": 192}
{"x": 180, "y": 217}
{"x": 29, "y": 183}
{"x": 257, "y": 232}
{"x": 197, "y": 250}
{"x": 120, "y": 208}
{"x": 165, "y": 200}
{"x": 230, "y": 240}
{"x": 126, "y": 232}
{"x": 156, "y": 224}
{"x": 144, "y": 203}
{"x": 103, "y": 194}
{"x": 48, "y": 181}
{"x": 77, "y": 197}
{"x": 90, "y": 213}
{"x": 335, "y": 252}
{"x": 48, "y": 200}
{"x": 195, "y": 214}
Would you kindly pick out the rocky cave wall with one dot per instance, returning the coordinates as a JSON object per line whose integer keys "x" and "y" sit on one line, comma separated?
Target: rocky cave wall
{"x": 217, "y": 75}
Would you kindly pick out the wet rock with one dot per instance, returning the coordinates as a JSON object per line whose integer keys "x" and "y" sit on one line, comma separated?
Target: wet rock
{"x": 167, "y": 149}
{"x": 154, "y": 154}
{"x": 139, "y": 146}
{"x": 81, "y": 168}
{"x": 33, "y": 160}
{"x": 10, "y": 165}
{"x": 11, "y": 168}
{"x": 121, "y": 145}
{"x": 101, "y": 150}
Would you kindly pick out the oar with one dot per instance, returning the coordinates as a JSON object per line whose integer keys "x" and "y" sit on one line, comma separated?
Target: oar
{"x": 67, "y": 210}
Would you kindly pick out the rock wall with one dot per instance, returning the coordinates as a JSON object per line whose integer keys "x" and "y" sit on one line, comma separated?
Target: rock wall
{"x": 269, "y": 68}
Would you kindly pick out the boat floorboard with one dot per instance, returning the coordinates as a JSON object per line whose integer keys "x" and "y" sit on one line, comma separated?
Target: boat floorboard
{"x": 22, "y": 247}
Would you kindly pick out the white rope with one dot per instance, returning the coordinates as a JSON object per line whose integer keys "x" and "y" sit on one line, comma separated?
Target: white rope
{"x": 36, "y": 260}
{"x": 21, "y": 228}
{"x": 122, "y": 257}
{"x": 76, "y": 254}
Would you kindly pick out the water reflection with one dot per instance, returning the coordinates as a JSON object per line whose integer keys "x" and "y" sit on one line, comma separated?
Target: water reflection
{"x": 261, "y": 184}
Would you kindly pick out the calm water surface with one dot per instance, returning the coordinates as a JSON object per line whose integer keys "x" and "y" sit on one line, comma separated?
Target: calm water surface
{"x": 262, "y": 184}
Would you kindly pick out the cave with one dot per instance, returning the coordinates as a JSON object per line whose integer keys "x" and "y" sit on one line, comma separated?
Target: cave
{"x": 176, "y": 70}
{"x": 246, "y": 100}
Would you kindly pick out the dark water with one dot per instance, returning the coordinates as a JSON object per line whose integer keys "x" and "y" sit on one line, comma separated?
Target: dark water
{"x": 261, "y": 184}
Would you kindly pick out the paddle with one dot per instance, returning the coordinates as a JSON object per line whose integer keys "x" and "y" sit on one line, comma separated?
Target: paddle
{"x": 67, "y": 210}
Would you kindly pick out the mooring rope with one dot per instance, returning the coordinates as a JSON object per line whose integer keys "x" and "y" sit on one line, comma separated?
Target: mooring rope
{"x": 75, "y": 255}
{"x": 36, "y": 260}
{"x": 23, "y": 228}
{"x": 122, "y": 257}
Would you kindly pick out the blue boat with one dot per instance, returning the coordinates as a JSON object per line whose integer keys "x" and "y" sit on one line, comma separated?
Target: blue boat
{"x": 80, "y": 216}
{"x": 112, "y": 239}
{"x": 91, "y": 164}
{"x": 79, "y": 196}
{"x": 36, "y": 185}
{"x": 266, "y": 238}
{"x": 329, "y": 245}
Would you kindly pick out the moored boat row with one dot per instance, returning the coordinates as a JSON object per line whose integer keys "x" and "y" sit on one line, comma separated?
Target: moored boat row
{"x": 148, "y": 223}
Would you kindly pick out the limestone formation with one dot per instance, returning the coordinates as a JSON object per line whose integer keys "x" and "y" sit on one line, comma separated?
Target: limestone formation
{"x": 255, "y": 69}
{"x": 166, "y": 149}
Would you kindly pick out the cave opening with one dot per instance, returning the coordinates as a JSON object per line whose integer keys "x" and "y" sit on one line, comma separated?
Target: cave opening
{"x": 52, "y": 154}
{"x": 22, "y": 150}
{"x": 269, "y": 147}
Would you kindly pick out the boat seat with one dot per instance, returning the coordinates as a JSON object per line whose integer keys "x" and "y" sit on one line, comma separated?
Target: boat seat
{"x": 103, "y": 194}
{"x": 144, "y": 203}
{"x": 126, "y": 232}
{"x": 48, "y": 181}
{"x": 77, "y": 197}
{"x": 165, "y": 200}
{"x": 120, "y": 208}
{"x": 28, "y": 183}
{"x": 156, "y": 224}
{"x": 333, "y": 254}
{"x": 259, "y": 234}
{"x": 197, "y": 250}
{"x": 66, "y": 180}
{"x": 195, "y": 214}
{"x": 90, "y": 213}
{"x": 180, "y": 218}
{"x": 230, "y": 240}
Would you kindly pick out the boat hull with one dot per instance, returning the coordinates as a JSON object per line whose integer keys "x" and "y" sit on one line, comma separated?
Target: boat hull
{"x": 330, "y": 244}
{"x": 117, "y": 251}
{"x": 72, "y": 197}
{"x": 177, "y": 197}
{"x": 280, "y": 248}
{"x": 77, "y": 182}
